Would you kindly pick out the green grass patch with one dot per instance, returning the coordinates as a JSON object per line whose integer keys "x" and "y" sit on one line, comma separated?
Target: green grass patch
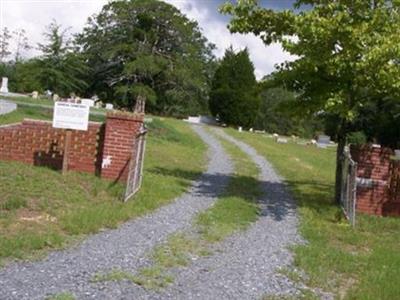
{"x": 42, "y": 209}
{"x": 237, "y": 207}
{"x": 178, "y": 251}
{"x": 62, "y": 296}
{"x": 149, "y": 278}
{"x": 359, "y": 263}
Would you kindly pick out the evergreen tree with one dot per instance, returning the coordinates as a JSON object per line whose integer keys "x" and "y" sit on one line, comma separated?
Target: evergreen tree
{"x": 234, "y": 95}
{"x": 60, "y": 68}
{"x": 148, "y": 49}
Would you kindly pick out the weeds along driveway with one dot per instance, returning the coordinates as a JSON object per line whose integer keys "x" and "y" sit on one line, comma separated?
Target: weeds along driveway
{"x": 125, "y": 248}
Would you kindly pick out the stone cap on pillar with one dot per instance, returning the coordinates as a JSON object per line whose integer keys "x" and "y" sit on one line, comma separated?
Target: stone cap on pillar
{"x": 127, "y": 116}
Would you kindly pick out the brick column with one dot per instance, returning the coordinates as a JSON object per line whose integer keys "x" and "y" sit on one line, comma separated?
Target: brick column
{"x": 373, "y": 175}
{"x": 120, "y": 134}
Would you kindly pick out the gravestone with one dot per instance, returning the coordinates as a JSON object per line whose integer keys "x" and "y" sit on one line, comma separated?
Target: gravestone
{"x": 240, "y": 129}
{"x": 323, "y": 141}
{"x": 88, "y": 102}
{"x": 282, "y": 141}
{"x": 7, "y": 107}
{"x": 109, "y": 106}
{"x": 4, "y": 85}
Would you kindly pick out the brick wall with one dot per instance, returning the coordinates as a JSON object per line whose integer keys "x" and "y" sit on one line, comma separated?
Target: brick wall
{"x": 374, "y": 174}
{"x": 104, "y": 149}
{"x": 38, "y": 143}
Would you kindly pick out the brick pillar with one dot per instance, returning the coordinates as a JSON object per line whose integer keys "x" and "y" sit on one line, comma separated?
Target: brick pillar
{"x": 120, "y": 134}
{"x": 373, "y": 175}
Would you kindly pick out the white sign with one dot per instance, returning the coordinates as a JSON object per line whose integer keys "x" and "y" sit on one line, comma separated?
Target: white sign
{"x": 70, "y": 116}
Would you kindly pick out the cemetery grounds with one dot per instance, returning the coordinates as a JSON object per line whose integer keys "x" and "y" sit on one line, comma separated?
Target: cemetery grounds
{"x": 42, "y": 210}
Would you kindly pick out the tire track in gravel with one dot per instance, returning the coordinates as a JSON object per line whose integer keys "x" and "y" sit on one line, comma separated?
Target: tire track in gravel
{"x": 246, "y": 267}
{"x": 125, "y": 248}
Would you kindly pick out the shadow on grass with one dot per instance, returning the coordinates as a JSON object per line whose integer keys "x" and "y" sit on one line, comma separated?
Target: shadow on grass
{"x": 277, "y": 199}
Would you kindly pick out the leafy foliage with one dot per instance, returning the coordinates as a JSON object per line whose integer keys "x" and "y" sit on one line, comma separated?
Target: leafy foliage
{"x": 148, "y": 49}
{"x": 347, "y": 53}
{"x": 234, "y": 95}
{"x": 275, "y": 113}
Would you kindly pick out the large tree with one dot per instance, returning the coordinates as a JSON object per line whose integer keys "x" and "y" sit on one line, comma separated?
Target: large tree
{"x": 234, "y": 95}
{"x": 348, "y": 53}
{"x": 60, "y": 68}
{"x": 148, "y": 49}
{"x": 5, "y": 37}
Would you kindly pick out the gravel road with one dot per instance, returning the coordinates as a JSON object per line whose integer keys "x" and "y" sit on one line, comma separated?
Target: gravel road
{"x": 125, "y": 248}
{"x": 246, "y": 265}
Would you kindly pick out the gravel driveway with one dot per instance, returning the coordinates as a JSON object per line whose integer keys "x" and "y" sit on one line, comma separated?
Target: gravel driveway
{"x": 126, "y": 247}
{"x": 247, "y": 263}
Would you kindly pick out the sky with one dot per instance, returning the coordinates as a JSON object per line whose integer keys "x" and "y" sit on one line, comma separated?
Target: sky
{"x": 35, "y": 15}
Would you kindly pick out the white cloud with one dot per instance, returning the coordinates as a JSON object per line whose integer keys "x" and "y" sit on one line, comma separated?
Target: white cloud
{"x": 35, "y": 15}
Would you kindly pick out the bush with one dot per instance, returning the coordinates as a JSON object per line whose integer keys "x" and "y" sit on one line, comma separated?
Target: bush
{"x": 357, "y": 138}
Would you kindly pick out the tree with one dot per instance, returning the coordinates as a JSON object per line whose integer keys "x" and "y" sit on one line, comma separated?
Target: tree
{"x": 60, "y": 69}
{"x": 348, "y": 53}
{"x": 275, "y": 115}
{"x": 148, "y": 49}
{"x": 234, "y": 95}
{"x": 22, "y": 43}
{"x": 4, "y": 44}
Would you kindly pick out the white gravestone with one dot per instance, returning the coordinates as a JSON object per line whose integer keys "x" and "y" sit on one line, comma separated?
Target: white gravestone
{"x": 109, "y": 106}
{"x": 4, "y": 85}
{"x": 88, "y": 102}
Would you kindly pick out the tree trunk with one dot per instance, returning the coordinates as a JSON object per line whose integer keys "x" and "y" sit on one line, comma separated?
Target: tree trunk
{"x": 339, "y": 153}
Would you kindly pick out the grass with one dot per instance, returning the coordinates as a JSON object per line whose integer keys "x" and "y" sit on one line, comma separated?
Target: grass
{"x": 359, "y": 263}
{"x": 237, "y": 207}
{"x": 43, "y": 101}
{"x": 149, "y": 278}
{"x": 40, "y": 209}
{"x": 62, "y": 296}
{"x": 234, "y": 210}
{"x": 38, "y": 113}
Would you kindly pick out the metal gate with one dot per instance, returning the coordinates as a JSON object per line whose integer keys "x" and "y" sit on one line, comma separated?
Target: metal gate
{"x": 394, "y": 182}
{"x": 348, "y": 195}
{"x": 136, "y": 165}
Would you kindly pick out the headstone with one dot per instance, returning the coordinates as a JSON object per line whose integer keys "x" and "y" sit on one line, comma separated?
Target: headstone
{"x": 56, "y": 97}
{"x": 4, "y": 85}
{"x": 88, "y": 102}
{"x": 240, "y": 129}
{"x": 323, "y": 141}
{"x": 7, "y": 107}
{"x": 282, "y": 141}
{"x": 251, "y": 130}
{"x": 35, "y": 94}
{"x": 99, "y": 104}
{"x": 109, "y": 106}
